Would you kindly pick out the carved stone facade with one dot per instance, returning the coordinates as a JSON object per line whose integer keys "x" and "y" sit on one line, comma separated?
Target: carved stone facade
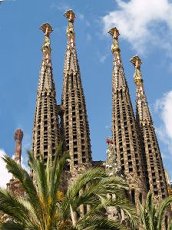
{"x": 124, "y": 129}
{"x": 132, "y": 154}
{"x": 135, "y": 139}
{"x": 75, "y": 121}
{"x": 155, "y": 170}
{"x": 46, "y": 132}
{"x": 111, "y": 165}
{"x": 137, "y": 153}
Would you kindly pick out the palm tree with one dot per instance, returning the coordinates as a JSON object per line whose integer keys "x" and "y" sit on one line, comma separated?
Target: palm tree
{"x": 45, "y": 207}
{"x": 154, "y": 216}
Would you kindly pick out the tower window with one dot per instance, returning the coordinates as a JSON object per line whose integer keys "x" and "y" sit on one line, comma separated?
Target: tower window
{"x": 140, "y": 198}
{"x": 75, "y": 162}
{"x": 75, "y": 149}
{"x": 83, "y": 160}
{"x": 133, "y": 196}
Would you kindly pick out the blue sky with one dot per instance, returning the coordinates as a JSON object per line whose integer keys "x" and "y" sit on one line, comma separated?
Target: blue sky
{"x": 146, "y": 30}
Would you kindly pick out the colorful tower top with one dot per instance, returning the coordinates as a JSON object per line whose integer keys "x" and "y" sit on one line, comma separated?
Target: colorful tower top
{"x": 70, "y": 15}
{"x": 118, "y": 80}
{"x": 124, "y": 129}
{"x": 155, "y": 169}
{"x": 46, "y": 126}
{"x": 75, "y": 122}
{"x": 46, "y": 49}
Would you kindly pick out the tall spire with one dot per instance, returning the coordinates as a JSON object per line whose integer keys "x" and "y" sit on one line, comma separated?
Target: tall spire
{"x": 46, "y": 126}
{"x": 155, "y": 169}
{"x": 75, "y": 120}
{"x": 70, "y": 15}
{"x": 118, "y": 80}
{"x": 124, "y": 128}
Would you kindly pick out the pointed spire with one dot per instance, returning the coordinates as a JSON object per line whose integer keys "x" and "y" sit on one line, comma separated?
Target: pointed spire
{"x": 143, "y": 109}
{"x": 46, "y": 49}
{"x": 136, "y": 61}
{"x": 46, "y": 133}
{"x": 70, "y": 33}
{"x": 75, "y": 121}
{"x": 71, "y": 63}
{"x": 124, "y": 129}
{"x": 155, "y": 174}
{"x": 114, "y": 32}
{"x": 46, "y": 82}
{"x": 118, "y": 80}
{"x": 18, "y": 136}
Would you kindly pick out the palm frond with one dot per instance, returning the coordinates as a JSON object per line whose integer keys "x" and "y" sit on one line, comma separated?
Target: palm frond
{"x": 12, "y": 207}
{"x": 162, "y": 209}
{"x": 12, "y": 226}
{"x": 40, "y": 176}
{"x": 99, "y": 222}
{"x": 27, "y": 183}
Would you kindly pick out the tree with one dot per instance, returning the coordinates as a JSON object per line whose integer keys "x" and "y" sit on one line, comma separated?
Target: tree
{"x": 153, "y": 216}
{"x": 46, "y": 207}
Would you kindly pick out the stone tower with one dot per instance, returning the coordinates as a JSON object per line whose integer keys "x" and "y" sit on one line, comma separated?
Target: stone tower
{"x": 14, "y": 185}
{"x": 124, "y": 129}
{"x": 155, "y": 169}
{"x": 18, "y": 136}
{"x": 75, "y": 122}
{"x": 46, "y": 126}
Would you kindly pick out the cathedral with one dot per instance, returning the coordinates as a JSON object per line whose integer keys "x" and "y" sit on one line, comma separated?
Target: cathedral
{"x": 133, "y": 148}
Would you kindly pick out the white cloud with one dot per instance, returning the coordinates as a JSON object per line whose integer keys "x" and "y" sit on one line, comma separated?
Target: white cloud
{"x": 80, "y": 16}
{"x": 5, "y": 176}
{"x": 164, "y": 107}
{"x": 62, "y": 7}
{"x": 7, "y": 1}
{"x": 143, "y": 22}
{"x": 103, "y": 58}
{"x": 26, "y": 146}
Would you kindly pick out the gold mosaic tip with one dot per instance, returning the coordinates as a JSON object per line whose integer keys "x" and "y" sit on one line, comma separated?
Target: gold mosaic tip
{"x": 46, "y": 28}
{"x": 114, "y": 32}
{"x": 70, "y": 15}
{"x": 136, "y": 61}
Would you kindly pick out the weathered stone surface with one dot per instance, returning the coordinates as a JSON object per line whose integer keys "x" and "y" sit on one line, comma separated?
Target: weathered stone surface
{"x": 124, "y": 129}
{"x": 155, "y": 174}
{"x": 46, "y": 132}
{"x": 75, "y": 121}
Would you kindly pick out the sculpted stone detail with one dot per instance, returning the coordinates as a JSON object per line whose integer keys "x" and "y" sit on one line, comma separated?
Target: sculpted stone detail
{"x": 46, "y": 49}
{"x": 75, "y": 121}
{"x": 124, "y": 128}
{"x": 70, "y": 15}
{"x": 46, "y": 130}
{"x": 112, "y": 166}
{"x": 131, "y": 154}
{"x": 155, "y": 174}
